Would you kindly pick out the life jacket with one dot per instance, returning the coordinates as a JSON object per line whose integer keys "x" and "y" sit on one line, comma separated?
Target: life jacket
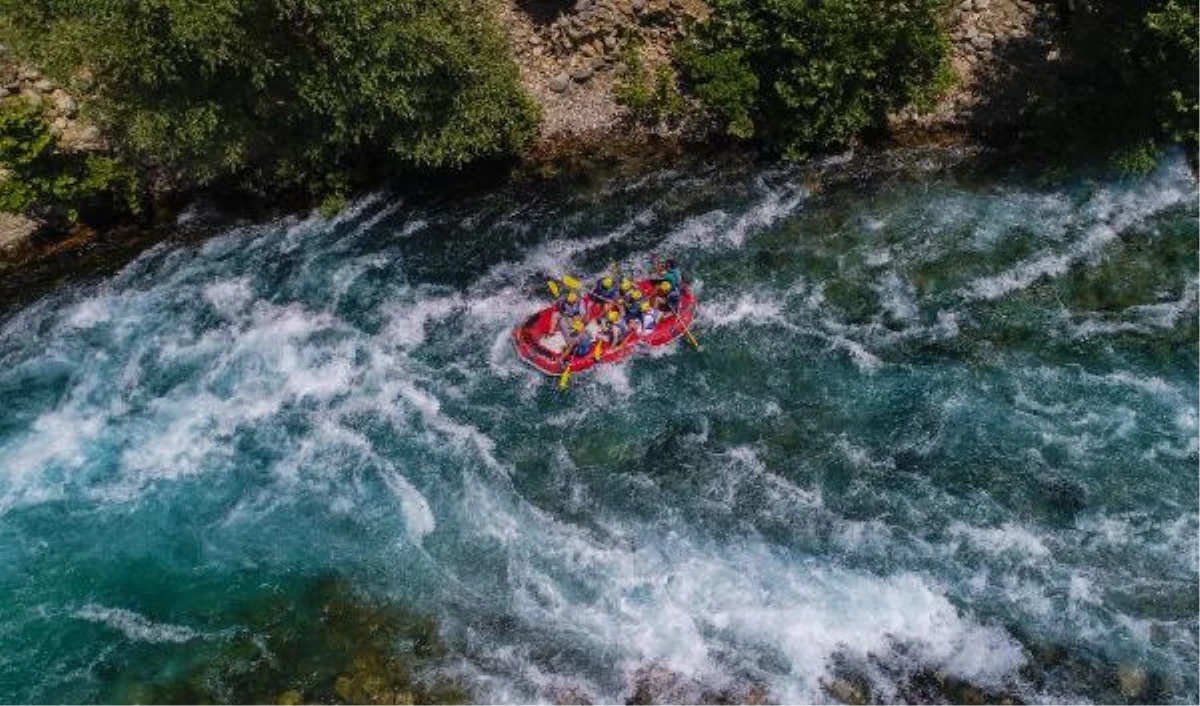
{"x": 604, "y": 296}
{"x": 673, "y": 298}
{"x": 614, "y": 331}
{"x": 583, "y": 344}
{"x": 570, "y": 310}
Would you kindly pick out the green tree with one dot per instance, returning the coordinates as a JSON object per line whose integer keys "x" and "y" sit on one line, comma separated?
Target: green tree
{"x": 797, "y": 74}
{"x": 1175, "y": 30}
{"x": 1125, "y": 84}
{"x": 40, "y": 179}
{"x": 282, "y": 94}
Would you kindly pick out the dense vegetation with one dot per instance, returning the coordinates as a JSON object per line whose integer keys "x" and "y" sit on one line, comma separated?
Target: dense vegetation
{"x": 1126, "y": 81}
{"x": 51, "y": 184}
{"x": 272, "y": 95}
{"x": 796, "y": 74}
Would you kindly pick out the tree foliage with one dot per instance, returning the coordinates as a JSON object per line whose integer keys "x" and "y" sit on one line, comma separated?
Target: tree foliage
{"x": 797, "y": 74}
{"x": 652, "y": 98}
{"x": 1126, "y": 81}
{"x": 1174, "y": 31}
{"x": 40, "y": 179}
{"x": 273, "y": 94}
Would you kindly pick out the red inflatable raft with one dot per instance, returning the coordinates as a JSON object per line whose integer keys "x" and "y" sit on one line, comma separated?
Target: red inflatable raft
{"x": 534, "y": 339}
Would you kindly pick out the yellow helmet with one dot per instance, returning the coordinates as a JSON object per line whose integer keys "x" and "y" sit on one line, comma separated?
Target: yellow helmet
{"x": 607, "y": 282}
{"x": 626, "y": 285}
{"x": 664, "y": 285}
{"x": 613, "y": 316}
{"x": 577, "y": 325}
{"x": 635, "y": 294}
{"x": 572, "y": 297}
{"x": 645, "y": 306}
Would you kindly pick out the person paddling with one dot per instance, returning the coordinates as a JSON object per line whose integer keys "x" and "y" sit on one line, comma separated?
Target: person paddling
{"x": 649, "y": 316}
{"x": 579, "y": 344}
{"x": 606, "y": 290}
{"x": 666, "y": 297}
{"x": 612, "y": 329}
{"x": 667, "y": 272}
{"x": 569, "y": 307}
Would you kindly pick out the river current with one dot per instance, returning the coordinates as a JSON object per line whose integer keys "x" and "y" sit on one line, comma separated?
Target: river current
{"x": 942, "y": 424}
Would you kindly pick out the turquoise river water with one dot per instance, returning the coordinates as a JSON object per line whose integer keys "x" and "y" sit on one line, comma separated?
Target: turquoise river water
{"x": 942, "y": 424}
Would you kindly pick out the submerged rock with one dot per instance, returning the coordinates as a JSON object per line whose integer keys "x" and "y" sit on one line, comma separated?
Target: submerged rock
{"x": 1132, "y": 680}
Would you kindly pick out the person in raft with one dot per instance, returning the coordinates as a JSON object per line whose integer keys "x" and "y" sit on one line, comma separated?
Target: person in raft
{"x": 568, "y": 308}
{"x": 579, "y": 343}
{"x": 666, "y": 297}
{"x": 650, "y": 316}
{"x": 667, "y": 271}
{"x": 613, "y": 329}
{"x": 633, "y": 311}
{"x": 606, "y": 291}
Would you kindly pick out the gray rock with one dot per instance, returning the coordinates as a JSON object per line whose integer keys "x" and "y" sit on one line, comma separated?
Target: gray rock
{"x": 847, "y": 692}
{"x": 64, "y": 103}
{"x": 638, "y": 5}
{"x": 30, "y": 74}
{"x": 559, "y": 83}
{"x": 583, "y": 73}
{"x": 90, "y": 134}
{"x": 43, "y": 86}
{"x": 1132, "y": 680}
{"x": 60, "y": 123}
{"x": 1159, "y": 637}
{"x": 981, "y": 42}
{"x": 4, "y": 92}
{"x": 981, "y": 5}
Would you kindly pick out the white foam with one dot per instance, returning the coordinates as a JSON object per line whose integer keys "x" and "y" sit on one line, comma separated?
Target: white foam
{"x": 418, "y": 517}
{"x": 715, "y": 231}
{"x": 655, "y": 596}
{"x": 408, "y": 320}
{"x": 1108, "y": 213}
{"x": 745, "y": 310}
{"x": 1008, "y": 538}
{"x": 136, "y": 626}
{"x": 230, "y": 297}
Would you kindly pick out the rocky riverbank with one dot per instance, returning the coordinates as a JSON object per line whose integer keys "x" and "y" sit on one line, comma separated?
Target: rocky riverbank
{"x": 73, "y": 130}
{"x": 572, "y": 58}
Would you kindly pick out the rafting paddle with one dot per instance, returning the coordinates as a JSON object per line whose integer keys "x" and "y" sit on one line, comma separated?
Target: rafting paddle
{"x": 686, "y": 330}
{"x": 565, "y": 377}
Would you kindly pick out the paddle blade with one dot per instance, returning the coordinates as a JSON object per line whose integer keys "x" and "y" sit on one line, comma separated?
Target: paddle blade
{"x": 553, "y": 287}
{"x": 565, "y": 377}
{"x": 571, "y": 282}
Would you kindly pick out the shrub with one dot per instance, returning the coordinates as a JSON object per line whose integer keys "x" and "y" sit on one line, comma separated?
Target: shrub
{"x": 651, "y": 98}
{"x": 271, "y": 94}
{"x": 1173, "y": 31}
{"x": 797, "y": 74}
{"x": 52, "y": 185}
{"x": 1125, "y": 85}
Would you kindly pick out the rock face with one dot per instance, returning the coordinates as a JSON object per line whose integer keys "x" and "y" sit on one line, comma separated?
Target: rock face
{"x": 62, "y": 109}
{"x": 569, "y": 53}
{"x": 991, "y": 39}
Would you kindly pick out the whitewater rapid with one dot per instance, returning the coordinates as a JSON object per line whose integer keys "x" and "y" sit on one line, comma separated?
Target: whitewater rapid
{"x": 939, "y": 423}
